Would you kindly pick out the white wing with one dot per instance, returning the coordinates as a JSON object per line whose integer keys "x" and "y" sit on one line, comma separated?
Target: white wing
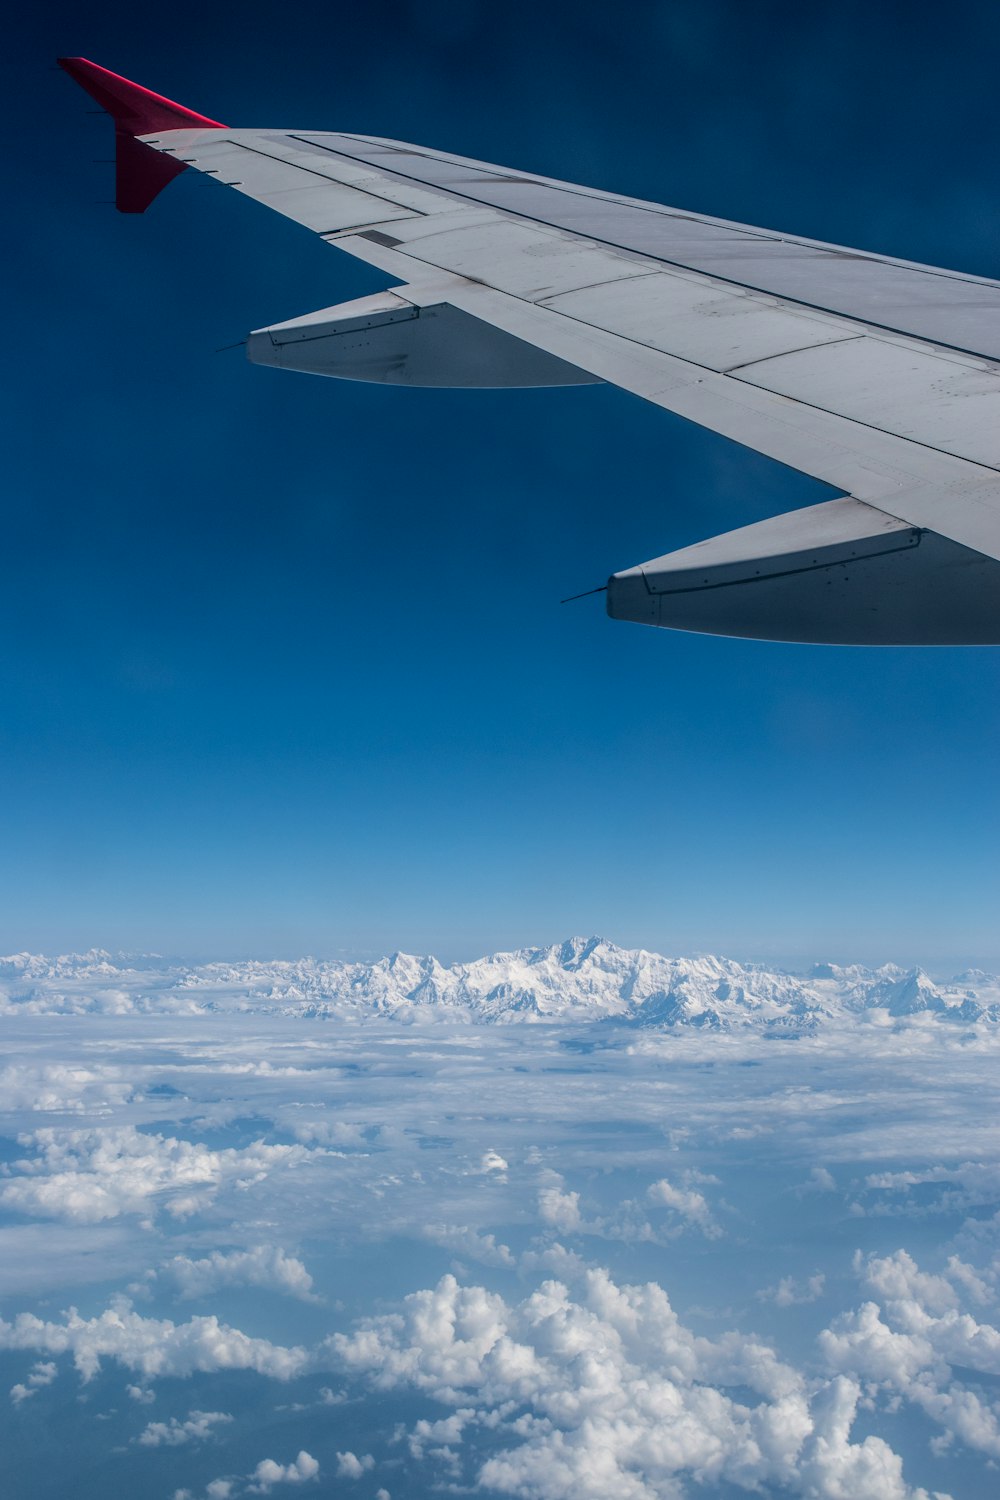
{"x": 878, "y": 376}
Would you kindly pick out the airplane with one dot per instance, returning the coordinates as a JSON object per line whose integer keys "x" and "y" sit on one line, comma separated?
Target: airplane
{"x": 880, "y": 377}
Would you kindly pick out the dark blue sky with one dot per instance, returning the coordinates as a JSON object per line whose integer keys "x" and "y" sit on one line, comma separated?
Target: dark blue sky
{"x": 283, "y": 666}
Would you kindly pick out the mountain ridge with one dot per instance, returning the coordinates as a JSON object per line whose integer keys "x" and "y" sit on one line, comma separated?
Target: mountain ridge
{"x": 579, "y": 980}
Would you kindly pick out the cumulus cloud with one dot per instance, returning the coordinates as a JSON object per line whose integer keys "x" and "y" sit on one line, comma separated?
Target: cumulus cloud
{"x": 42, "y": 1373}
{"x": 90, "y": 1175}
{"x": 261, "y": 1481}
{"x": 349, "y": 1466}
{"x": 565, "y": 1264}
{"x": 689, "y": 1206}
{"x": 331, "y": 1132}
{"x": 268, "y": 1473}
{"x": 65, "y": 1088}
{"x": 484, "y": 1248}
{"x": 909, "y": 1341}
{"x": 616, "y": 1396}
{"x": 820, "y": 1180}
{"x": 197, "y": 1426}
{"x": 153, "y": 1347}
{"x": 792, "y": 1293}
{"x": 435, "y": 1438}
{"x": 559, "y": 1210}
{"x": 837, "y": 1469}
{"x": 900, "y": 1280}
{"x": 263, "y": 1265}
{"x": 979, "y": 1287}
{"x": 943, "y": 1189}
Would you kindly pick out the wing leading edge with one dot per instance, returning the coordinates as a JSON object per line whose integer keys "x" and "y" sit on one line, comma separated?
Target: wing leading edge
{"x": 880, "y": 377}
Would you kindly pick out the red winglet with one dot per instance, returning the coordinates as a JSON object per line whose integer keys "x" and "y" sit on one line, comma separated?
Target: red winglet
{"x": 141, "y": 172}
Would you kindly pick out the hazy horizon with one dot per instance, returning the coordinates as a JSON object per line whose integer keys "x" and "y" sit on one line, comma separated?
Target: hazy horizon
{"x": 937, "y": 967}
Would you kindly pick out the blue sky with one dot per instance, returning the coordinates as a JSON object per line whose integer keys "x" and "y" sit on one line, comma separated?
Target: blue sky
{"x": 283, "y": 663}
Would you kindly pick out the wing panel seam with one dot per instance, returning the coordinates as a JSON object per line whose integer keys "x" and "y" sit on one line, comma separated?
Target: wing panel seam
{"x": 751, "y": 364}
{"x": 780, "y": 298}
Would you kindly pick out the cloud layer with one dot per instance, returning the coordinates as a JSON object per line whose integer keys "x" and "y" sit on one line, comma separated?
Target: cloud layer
{"x": 87, "y": 1176}
{"x": 550, "y": 1261}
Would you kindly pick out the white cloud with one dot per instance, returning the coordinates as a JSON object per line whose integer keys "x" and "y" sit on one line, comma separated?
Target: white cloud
{"x": 197, "y": 1426}
{"x": 153, "y": 1347}
{"x": 976, "y": 1286}
{"x": 565, "y": 1264}
{"x": 862, "y": 1343}
{"x": 43, "y": 1373}
{"x": 689, "y": 1206}
{"x": 559, "y": 1210}
{"x": 65, "y": 1088}
{"x": 899, "y": 1279}
{"x": 792, "y": 1293}
{"x": 819, "y": 1181}
{"x": 330, "y": 1132}
{"x": 263, "y": 1265}
{"x": 265, "y": 1476}
{"x": 269, "y": 1473}
{"x": 484, "y": 1248}
{"x": 349, "y": 1466}
{"x": 493, "y": 1163}
{"x": 944, "y": 1188}
{"x": 837, "y": 1469}
{"x": 90, "y": 1175}
{"x": 419, "y": 1131}
{"x": 621, "y": 1398}
{"x": 433, "y": 1437}
{"x": 562, "y": 1210}
{"x": 910, "y": 1342}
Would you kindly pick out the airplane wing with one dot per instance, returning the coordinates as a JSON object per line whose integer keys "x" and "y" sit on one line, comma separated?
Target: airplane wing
{"x": 879, "y": 376}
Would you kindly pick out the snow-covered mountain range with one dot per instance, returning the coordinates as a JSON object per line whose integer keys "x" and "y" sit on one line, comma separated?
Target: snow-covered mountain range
{"x": 580, "y": 980}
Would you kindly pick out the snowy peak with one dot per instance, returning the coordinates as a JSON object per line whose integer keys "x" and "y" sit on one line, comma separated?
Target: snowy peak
{"x": 580, "y": 980}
